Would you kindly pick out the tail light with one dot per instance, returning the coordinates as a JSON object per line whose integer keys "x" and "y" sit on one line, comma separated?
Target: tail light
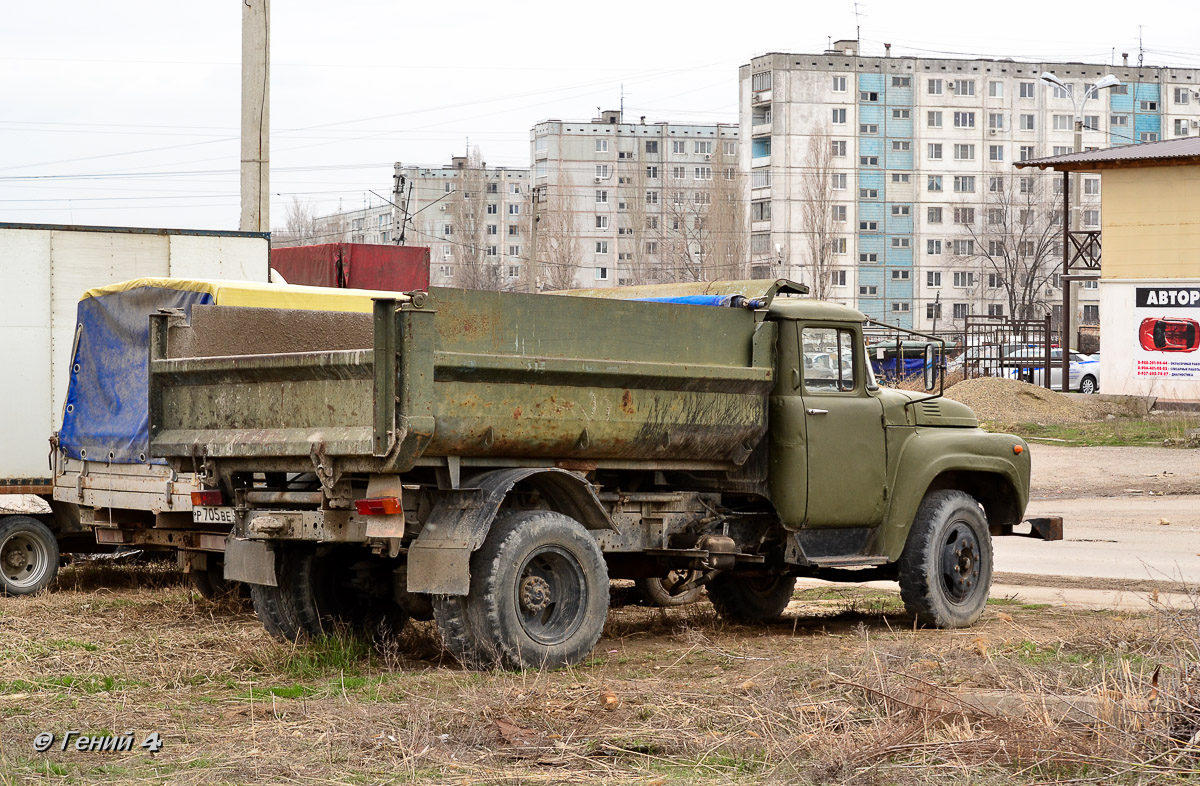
{"x": 378, "y": 506}
{"x": 209, "y": 498}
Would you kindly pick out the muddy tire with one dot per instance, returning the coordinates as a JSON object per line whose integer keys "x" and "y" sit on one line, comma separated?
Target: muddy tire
{"x": 750, "y": 599}
{"x": 28, "y": 555}
{"x": 657, "y": 591}
{"x": 538, "y": 596}
{"x": 946, "y": 566}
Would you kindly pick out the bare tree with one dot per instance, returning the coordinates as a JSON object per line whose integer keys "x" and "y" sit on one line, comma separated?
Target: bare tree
{"x": 728, "y": 255}
{"x": 477, "y": 263}
{"x": 640, "y": 220}
{"x": 300, "y": 227}
{"x": 1016, "y": 240}
{"x": 558, "y": 250}
{"x": 817, "y": 211}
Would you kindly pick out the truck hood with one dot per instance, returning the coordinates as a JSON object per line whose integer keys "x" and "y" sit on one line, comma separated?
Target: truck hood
{"x": 926, "y": 412}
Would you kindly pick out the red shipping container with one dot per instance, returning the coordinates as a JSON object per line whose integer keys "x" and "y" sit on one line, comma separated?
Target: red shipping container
{"x": 354, "y": 266}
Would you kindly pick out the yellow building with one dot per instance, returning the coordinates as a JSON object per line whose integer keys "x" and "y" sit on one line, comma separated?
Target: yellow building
{"x": 1149, "y": 272}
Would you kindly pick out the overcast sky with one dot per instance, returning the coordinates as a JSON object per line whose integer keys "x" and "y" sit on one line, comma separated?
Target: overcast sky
{"x": 126, "y": 112}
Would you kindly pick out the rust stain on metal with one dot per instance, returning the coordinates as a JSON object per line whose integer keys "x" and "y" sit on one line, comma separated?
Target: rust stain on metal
{"x": 517, "y": 413}
{"x": 627, "y": 403}
{"x": 575, "y": 465}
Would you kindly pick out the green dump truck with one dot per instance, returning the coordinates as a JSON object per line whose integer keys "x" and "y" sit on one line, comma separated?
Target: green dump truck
{"x": 492, "y": 459}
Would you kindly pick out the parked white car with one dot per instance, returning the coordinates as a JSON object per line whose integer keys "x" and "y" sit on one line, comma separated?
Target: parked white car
{"x": 1083, "y": 373}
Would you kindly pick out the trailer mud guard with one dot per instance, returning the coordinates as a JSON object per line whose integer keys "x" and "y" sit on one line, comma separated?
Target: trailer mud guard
{"x": 439, "y": 559}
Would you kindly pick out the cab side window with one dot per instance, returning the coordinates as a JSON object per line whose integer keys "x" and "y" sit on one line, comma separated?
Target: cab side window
{"x": 828, "y": 359}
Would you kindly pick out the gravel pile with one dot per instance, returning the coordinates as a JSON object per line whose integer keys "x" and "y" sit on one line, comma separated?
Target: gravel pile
{"x": 1012, "y": 401}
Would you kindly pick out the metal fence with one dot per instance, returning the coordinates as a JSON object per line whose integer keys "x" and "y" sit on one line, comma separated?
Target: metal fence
{"x": 1014, "y": 348}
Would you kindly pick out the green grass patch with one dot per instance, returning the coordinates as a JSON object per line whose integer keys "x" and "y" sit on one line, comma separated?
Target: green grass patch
{"x": 1136, "y": 432}
{"x": 84, "y": 683}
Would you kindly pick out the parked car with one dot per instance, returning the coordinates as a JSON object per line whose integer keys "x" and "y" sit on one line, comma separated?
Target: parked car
{"x": 1169, "y": 334}
{"x": 1083, "y": 374}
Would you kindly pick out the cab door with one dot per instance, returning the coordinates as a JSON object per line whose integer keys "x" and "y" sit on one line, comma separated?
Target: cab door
{"x": 844, "y": 430}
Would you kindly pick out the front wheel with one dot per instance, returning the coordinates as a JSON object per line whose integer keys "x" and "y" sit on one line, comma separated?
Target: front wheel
{"x": 28, "y": 555}
{"x": 1088, "y": 385}
{"x": 750, "y": 599}
{"x": 538, "y": 596}
{"x": 946, "y": 566}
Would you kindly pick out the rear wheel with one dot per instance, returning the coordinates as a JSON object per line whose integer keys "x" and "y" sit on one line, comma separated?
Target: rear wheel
{"x": 663, "y": 591}
{"x": 946, "y": 565}
{"x": 28, "y": 555}
{"x": 750, "y": 599}
{"x": 212, "y": 584}
{"x": 538, "y": 596}
{"x": 1088, "y": 385}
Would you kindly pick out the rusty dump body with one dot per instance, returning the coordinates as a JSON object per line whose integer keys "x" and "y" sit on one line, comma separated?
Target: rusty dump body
{"x": 491, "y": 459}
{"x": 474, "y": 375}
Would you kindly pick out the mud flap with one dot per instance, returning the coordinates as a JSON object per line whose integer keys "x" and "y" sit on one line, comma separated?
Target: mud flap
{"x": 250, "y": 561}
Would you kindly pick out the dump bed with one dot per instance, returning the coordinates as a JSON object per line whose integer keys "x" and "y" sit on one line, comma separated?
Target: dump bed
{"x": 477, "y": 375}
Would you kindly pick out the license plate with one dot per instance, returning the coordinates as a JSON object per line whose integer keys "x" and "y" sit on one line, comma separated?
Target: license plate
{"x": 213, "y": 516}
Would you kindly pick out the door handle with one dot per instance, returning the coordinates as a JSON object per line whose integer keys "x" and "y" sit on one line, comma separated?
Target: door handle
{"x": 795, "y": 378}
{"x": 817, "y": 411}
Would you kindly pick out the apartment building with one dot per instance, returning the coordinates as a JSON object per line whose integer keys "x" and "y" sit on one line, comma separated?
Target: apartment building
{"x": 921, "y": 193}
{"x": 630, "y": 203}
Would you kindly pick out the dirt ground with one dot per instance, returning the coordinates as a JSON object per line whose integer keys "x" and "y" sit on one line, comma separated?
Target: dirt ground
{"x": 842, "y": 690}
{"x": 1112, "y": 471}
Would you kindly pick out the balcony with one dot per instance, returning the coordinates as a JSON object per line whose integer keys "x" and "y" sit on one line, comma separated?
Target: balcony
{"x": 761, "y": 128}
{"x": 761, "y": 97}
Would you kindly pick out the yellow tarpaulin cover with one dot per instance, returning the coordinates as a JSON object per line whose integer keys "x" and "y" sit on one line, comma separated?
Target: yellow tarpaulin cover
{"x": 253, "y": 294}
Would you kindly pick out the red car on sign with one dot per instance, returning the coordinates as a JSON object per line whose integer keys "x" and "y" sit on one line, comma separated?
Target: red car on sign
{"x": 1169, "y": 334}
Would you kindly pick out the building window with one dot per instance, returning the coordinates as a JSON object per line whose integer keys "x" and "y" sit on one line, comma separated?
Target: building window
{"x": 933, "y": 119}
{"x": 652, "y": 173}
{"x": 839, "y": 245}
{"x": 964, "y": 152}
{"x": 868, "y": 290}
{"x": 601, "y": 197}
{"x": 761, "y": 211}
{"x": 1060, "y": 150}
{"x": 651, "y": 247}
{"x": 514, "y": 251}
{"x": 901, "y": 114}
{"x": 934, "y": 151}
{"x": 1062, "y": 123}
{"x": 1027, "y": 122}
{"x": 1025, "y": 152}
{"x": 448, "y": 229}
{"x": 729, "y": 148}
{"x": 492, "y": 229}
{"x": 1182, "y": 95}
{"x": 901, "y": 177}
{"x": 601, "y": 246}
{"x": 964, "y": 119}
{"x": 493, "y": 251}
{"x": 703, "y": 147}
{"x": 679, "y": 173}
{"x": 868, "y": 193}
{"x": 933, "y": 310}
{"x": 1148, "y": 136}
{"x": 868, "y": 226}
{"x": 995, "y": 310}
{"x": 868, "y": 128}
{"x": 679, "y": 146}
{"x": 651, "y": 197}
{"x": 651, "y": 145}
{"x": 964, "y": 87}
{"x": 839, "y": 212}
{"x": 704, "y": 173}
{"x": 902, "y": 81}
{"x": 1091, "y": 314}
{"x": 868, "y": 258}
{"x": 1061, "y": 92}
{"x": 964, "y": 184}
{"x": 493, "y": 209}
{"x": 514, "y": 210}
{"x": 901, "y": 242}
{"x": 933, "y": 183}
{"x": 601, "y": 145}
{"x": 839, "y": 84}
{"x": 901, "y": 210}
{"x": 601, "y": 222}
{"x": 961, "y": 310}
{"x": 1091, "y": 218}
{"x": 899, "y": 307}
{"x": 603, "y": 172}
{"x": 868, "y": 160}
{"x": 901, "y": 146}
{"x": 995, "y": 89}
{"x": 1118, "y": 120}
{"x": 837, "y": 278}
{"x": 995, "y": 152}
{"x": 934, "y": 248}
{"x": 869, "y": 96}
{"x": 964, "y": 248}
{"x": 996, "y": 121}
{"x": 964, "y": 215}
{"x": 1091, "y": 122}
{"x": 1181, "y": 127}
{"x": 933, "y": 87}
{"x": 602, "y": 274}
{"x": 933, "y": 215}
{"x": 995, "y": 215}
{"x": 964, "y": 279}
{"x": 839, "y": 116}
{"x": 1026, "y": 89}
{"x": 445, "y": 251}
{"x": 933, "y": 278}
{"x": 1148, "y": 106}
{"x": 702, "y": 198}
{"x": 838, "y": 147}
{"x": 838, "y": 180}
{"x": 760, "y": 81}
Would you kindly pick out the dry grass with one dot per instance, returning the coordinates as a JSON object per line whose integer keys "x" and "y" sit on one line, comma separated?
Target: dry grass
{"x": 840, "y": 691}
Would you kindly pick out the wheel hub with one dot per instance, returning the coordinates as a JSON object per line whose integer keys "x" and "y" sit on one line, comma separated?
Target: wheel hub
{"x": 960, "y": 563}
{"x": 15, "y": 557}
{"x": 535, "y": 594}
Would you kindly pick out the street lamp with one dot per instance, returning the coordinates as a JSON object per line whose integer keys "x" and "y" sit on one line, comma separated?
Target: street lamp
{"x": 1077, "y": 104}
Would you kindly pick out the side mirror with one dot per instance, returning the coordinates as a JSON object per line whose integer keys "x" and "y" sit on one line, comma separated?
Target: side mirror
{"x": 932, "y": 366}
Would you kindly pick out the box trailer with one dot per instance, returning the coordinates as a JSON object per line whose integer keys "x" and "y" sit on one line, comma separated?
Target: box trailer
{"x": 353, "y": 266}
{"x": 46, "y": 269}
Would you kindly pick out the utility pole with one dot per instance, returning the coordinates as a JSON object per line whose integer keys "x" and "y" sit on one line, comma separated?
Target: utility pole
{"x": 255, "y": 159}
{"x": 531, "y": 259}
{"x": 399, "y": 206}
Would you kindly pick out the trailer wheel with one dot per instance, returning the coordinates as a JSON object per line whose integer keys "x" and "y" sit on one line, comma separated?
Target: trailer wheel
{"x": 657, "y": 591}
{"x": 750, "y": 599}
{"x": 28, "y": 555}
{"x": 538, "y": 595}
{"x": 946, "y": 566}
{"x": 212, "y": 584}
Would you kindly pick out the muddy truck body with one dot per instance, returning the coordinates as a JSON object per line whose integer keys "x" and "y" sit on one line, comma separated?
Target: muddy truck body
{"x": 492, "y": 459}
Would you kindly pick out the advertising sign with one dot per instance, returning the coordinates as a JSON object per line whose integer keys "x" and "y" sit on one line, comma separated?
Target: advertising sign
{"x": 1167, "y": 321}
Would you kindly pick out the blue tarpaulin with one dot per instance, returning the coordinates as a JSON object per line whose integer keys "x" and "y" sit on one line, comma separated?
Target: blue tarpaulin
{"x": 886, "y": 368}
{"x": 693, "y": 300}
{"x": 107, "y": 414}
